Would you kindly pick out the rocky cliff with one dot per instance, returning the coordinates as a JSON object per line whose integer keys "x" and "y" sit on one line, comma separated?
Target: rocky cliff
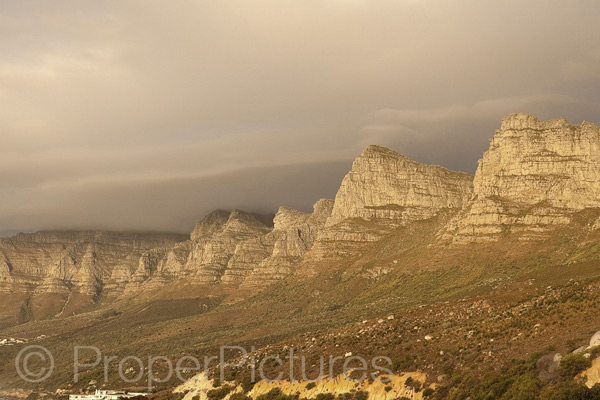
{"x": 386, "y": 185}
{"x": 383, "y": 191}
{"x": 235, "y": 249}
{"x": 293, "y": 236}
{"x": 533, "y": 177}
{"x": 57, "y": 261}
{"x": 232, "y": 248}
{"x": 205, "y": 257}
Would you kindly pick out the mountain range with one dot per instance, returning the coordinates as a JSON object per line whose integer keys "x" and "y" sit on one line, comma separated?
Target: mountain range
{"x": 398, "y": 235}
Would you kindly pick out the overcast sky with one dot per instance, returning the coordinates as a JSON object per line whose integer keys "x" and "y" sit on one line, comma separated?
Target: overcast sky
{"x": 147, "y": 114}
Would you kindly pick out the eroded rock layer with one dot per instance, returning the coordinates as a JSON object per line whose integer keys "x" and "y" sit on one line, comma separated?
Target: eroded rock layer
{"x": 535, "y": 176}
{"x": 235, "y": 249}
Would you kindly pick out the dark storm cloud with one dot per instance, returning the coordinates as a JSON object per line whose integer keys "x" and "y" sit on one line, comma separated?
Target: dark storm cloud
{"x": 173, "y": 202}
{"x": 139, "y": 115}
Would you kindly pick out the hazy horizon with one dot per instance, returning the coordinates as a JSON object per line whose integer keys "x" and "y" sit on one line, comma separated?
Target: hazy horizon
{"x": 137, "y": 116}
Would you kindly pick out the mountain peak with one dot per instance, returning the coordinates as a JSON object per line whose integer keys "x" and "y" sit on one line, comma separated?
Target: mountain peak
{"x": 533, "y": 176}
{"x": 388, "y": 185}
{"x": 377, "y": 151}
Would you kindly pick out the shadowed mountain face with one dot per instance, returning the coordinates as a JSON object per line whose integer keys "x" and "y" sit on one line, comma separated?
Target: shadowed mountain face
{"x": 56, "y": 273}
{"x": 56, "y": 261}
{"x": 398, "y": 234}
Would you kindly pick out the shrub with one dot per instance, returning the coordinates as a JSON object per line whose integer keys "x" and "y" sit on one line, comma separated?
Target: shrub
{"x": 403, "y": 363}
{"x": 276, "y": 394}
{"x": 219, "y": 393}
{"x": 229, "y": 373}
{"x": 428, "y": 392}
{"x": 572, "y": 344}
{"x": 570, "y": 391}
{"x": 572, "y": 364}
{"x": 361, "y": 395}
{"x": 247, "y": 383}
{"x": 310, "y": 385}
{"x": 411, "y": 383}
{"x": 325, "y": 396}
{"x": 239, "y": 396}
{"x": 524, "y": 387}
{"x": 448, "y": 368}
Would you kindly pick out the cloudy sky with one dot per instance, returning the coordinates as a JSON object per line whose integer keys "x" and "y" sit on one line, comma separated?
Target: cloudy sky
{"x": 147, "y": 114}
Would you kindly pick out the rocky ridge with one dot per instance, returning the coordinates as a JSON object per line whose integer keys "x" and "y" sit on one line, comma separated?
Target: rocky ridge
{"x": 205, "y": 257}
{"x": 293, "y": 237}
{"x": 233, "y": 248}
{"x": 236, "y": 249}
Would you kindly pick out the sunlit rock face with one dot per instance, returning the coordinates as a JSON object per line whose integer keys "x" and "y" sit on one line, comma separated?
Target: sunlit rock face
{"x": 534, "y": 175}
{"x": 383, "y": 191}
{"x": 386, "y": 185}
{"x": 212, "y": 251}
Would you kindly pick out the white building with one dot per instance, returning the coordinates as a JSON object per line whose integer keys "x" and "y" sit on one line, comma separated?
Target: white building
{"x": 105, "y": 395}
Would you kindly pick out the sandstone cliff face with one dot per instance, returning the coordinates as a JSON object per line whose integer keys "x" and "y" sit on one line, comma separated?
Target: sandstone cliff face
{"x": 233, "y": 248}
{"x": 293, "y": 236}
{"x": 386, "y": 185}
{"x": 5, "y": 269}
{"x": 212, "y": 252}
{"x": 533, "y": 176}
{"x": 236, "y": 249}
{"x": 51, "y": 261}
{"x": 384, "y": 190}
{"x": 205, "y": 257}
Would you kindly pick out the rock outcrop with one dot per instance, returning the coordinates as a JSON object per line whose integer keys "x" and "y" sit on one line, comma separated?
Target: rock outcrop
{"x": 534, "y": 175}
{"x": 386, "y": 185}
{"x": 395, "y": 387}
{"x": 211, "y": 253}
